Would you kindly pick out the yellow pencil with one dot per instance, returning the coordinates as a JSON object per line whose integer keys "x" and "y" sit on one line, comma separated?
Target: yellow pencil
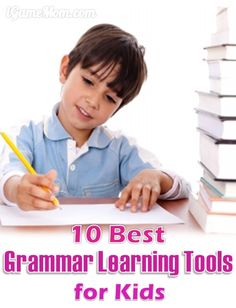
{"x": 24, "y": 161}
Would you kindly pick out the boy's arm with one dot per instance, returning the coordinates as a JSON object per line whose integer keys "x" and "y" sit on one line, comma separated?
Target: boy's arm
{"x": 27, "y": 191}
{"x": 179, "y": 190}
{"x": 19, "y": 187}
{"x": 143, "y": 175}
{"x": 8, "y": 185}
{"x": 134, "y": 159}
{"x": 166, "y": 182}
{"x": 150, "y": 185}
{"x": 10, "y": 188}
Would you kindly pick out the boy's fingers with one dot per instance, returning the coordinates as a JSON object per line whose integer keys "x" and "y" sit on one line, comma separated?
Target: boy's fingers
{"x": 124, "y": 198}
{"x": 136, "y": 192}
{"x": 36, "y": 192}
{"x": 51, "y": 175}
{"x": 40, "y": 180}
{"x": 43, "y": 205}
{"x": 132, "y": 194}
{"x": 146, "y": 197}
{"x": 30, "y": 203}
{"x": 40, "y": 193}
{"x": 154, "y": 196}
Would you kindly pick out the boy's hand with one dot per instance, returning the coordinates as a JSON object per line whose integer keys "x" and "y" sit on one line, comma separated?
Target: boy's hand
{"x": 29, "y": 192}
{"x": 148, "y": 184}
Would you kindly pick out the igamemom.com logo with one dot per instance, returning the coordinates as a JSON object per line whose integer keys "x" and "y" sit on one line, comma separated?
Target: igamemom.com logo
{"x": 16, "y": 12}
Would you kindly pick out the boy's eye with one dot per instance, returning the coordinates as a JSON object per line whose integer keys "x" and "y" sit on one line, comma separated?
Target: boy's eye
{"x": 110, "y": 99}
{"x": 87, "y": 81}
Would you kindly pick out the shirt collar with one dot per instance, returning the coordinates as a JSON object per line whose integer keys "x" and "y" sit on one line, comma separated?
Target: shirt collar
{"x": 99, "y": 138}
{"x": 54, "y": 130}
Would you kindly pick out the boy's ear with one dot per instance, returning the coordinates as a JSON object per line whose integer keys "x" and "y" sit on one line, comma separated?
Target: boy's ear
{"x": 63, "y": 69}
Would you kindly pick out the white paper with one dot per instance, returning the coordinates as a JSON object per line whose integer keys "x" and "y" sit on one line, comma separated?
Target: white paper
{"x": 71, "y": 214}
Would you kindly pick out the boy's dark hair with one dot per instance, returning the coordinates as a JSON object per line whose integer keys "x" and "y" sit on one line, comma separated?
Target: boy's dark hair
{"x": 108, "y": 46}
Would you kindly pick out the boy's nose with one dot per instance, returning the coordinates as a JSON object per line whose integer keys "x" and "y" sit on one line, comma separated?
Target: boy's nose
{"x": 93, "y": 102}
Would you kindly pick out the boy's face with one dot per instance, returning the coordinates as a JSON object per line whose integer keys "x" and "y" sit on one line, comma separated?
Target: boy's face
{"x": 87, "y": 102}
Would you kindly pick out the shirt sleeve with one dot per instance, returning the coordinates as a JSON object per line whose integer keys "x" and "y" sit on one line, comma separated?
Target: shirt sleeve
{"x": 23, "y": 140}
{"x": 10, "y": 164}
{"x": 134, "y": 159}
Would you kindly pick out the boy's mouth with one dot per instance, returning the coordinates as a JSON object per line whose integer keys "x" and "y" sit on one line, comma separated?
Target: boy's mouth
{"x": 83, "y": 112}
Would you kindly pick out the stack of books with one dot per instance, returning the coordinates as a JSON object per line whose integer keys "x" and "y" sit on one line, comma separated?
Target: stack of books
{"x": 215, "y": 210}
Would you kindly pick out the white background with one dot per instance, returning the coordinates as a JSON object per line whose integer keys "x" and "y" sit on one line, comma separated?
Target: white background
{"x": 162, "y": 119}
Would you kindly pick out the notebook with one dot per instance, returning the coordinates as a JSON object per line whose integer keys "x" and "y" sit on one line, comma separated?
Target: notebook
{"x": 70, "y": 214}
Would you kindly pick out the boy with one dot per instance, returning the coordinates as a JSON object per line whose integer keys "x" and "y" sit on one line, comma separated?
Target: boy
{"x": 104, "y": 71}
